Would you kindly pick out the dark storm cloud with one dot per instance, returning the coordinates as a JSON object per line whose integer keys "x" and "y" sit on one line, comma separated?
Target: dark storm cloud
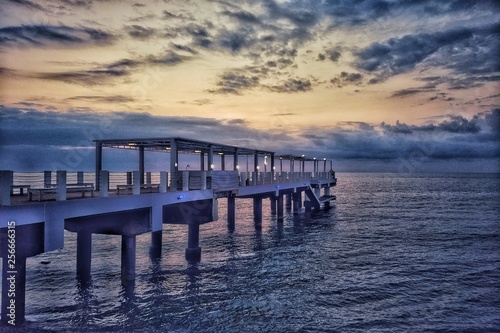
{"x": 41, "y": 35}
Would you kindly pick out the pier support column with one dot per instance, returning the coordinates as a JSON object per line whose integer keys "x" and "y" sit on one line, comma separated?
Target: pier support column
{"x": 156, "y": 243}
{"x": 193, "y": 250}
{"x": 257, "y": 212}
{"x": 231, "y": 212}
{"x": 300, "y": 199}
{"x": 307, "y": 203}
{"x": 327, "y": 193}
{"x": 288, "y": 202}
{"x": 296, "y": 202}
{"x": 83, "y": 257}
{"x": 280, "y": 207}
{"x": 128, "y": 259}
{"x": 13, "y": 291}
{"x": 272, "y": 199}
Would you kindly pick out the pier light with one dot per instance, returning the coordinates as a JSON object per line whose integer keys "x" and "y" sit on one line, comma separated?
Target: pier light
{"x": 237, "y": 167}
{"x": 197, "y": 151}
{"x": 221, "y": 153}
{"x": 168, "y": 148}
{"x": 303, "y": 155}
{"x": 274, "y": 168}
{"x": 212, "y": 166}
{"x": 132, "y": 144}
{"x": 257, "y": 167}
{"x": 314, "y": 158}
{"x": 175, "y": 164}
{"x": 324, "y": 158}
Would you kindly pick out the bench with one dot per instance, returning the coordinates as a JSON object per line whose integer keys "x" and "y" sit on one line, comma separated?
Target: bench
{"x": 70, "y": 188}
{"x": 20, "y": 187}
{"x": 131, "y": 187}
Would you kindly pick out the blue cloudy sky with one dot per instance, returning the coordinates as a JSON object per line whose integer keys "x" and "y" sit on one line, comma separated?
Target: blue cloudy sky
{"x": 376, "y": 85}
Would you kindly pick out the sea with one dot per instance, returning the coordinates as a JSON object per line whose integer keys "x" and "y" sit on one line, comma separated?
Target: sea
{"x": 394, "y": 253}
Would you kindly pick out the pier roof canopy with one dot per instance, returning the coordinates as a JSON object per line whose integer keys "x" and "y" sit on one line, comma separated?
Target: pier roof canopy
{"x": 187, "y": 146}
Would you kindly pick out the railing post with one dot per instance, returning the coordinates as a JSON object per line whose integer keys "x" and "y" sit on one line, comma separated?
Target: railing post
{"x": 79, "y": 177}
{"x": 61, "y": 185}
{"x": 6, "y": 178}
{"x": 136, "y": 182}
{"x": 204, "y": 180}
{"x": 163, "y": 181}
{"x": 185, "y": 180}
{"x": 104, "y": 186}
{"x": 47, "y": 178}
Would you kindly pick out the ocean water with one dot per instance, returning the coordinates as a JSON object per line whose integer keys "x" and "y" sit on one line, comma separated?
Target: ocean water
{"x": 395, "y": 253}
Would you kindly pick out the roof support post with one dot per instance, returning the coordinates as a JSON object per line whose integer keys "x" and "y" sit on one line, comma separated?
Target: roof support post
{"x": 202, "y": 161}
{"x": 235, "y": 161}
{"x": 174, "y": 157}
{"x": 272, "y": 168}
{"x": 210, "y": 158}
{"x": 255, "y": 167}
{"x": 98, "y": 164}
{"x": 141, "y": 164}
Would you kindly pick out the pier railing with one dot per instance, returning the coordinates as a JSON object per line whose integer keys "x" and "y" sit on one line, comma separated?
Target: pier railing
{"x": 61, "y": 184}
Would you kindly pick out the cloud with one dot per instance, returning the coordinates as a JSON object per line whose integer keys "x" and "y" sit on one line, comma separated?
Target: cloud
{"x": 332, "y": 54}
{"x": 468, "y": 53}
{"x": 42, "y": 35}
{"x": 140, "y": 32}
{"x": 411, "y": 148}
{"x": 198, "y": 102}
{"x": 64, "y": 139}
{"x": 26, "y": 3}
{"x": 242, "y": 16}
{"x": 102, "y": 99}
{"x": 235, "y": 83}
{"x": 345, "y": 78}
{"x": 105, "y": 74}
{"x": 292, "y": 86}
{"x": 109, "y": 73}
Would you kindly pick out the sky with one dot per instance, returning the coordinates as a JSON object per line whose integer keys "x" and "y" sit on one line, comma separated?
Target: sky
{"x": 375, "y": 85}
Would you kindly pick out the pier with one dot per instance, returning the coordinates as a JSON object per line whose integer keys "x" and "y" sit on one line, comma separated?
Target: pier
{"x": 196, "y": 176}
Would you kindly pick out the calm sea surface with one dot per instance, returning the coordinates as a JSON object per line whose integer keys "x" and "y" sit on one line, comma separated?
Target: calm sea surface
{"x": 395, "y": 253}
